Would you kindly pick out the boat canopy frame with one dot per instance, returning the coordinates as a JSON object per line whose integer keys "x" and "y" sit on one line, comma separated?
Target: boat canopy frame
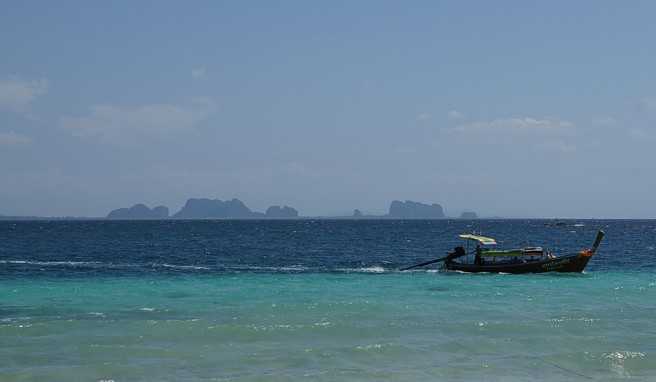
{"x": 483, "y": 240}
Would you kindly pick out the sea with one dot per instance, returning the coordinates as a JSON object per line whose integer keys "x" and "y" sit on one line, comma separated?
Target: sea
{"x": 319, "y": 300}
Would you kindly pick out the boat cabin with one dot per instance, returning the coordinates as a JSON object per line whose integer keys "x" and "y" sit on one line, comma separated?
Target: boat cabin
{"x": 486, "y": 253}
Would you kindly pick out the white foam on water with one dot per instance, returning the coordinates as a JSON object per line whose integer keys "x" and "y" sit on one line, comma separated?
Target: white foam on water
{"x": 293, "y": 268}
{"x": 14, "y": 319}
{"x": 52, "y": 263}
{"x": 172, "y": 266}
{"x": 99, "y": 264}
{"x": 617, "y": 359}
{"x": 624, "y": 355}
{"x": 372, "y": 269}
{"x": 322, "y": 324}
{"x": 370, "y": 347}
{"x": 287, "y": 268}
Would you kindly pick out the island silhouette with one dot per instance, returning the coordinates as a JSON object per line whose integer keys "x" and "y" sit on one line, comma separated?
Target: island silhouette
{"x": 205, "y": 208}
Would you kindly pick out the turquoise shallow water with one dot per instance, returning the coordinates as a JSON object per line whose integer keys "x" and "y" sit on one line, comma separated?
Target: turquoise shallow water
{"x": 279, "y": 301}
{"x": 420, "y": 326}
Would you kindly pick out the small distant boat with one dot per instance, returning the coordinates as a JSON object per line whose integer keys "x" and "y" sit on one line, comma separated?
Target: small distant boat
{"x": 486, "y": 258}
{"x": 555, "y": 224}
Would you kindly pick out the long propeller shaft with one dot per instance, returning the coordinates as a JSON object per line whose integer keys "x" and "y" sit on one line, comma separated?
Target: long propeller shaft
{"x": 425, "y": 263}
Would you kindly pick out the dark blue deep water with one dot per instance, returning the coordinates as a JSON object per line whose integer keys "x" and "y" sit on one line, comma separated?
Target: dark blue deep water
{"x": 319, "y": 300}
{"x": 96, "y": 248}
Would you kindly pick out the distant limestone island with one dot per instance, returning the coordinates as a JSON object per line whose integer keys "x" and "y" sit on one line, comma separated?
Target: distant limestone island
{"x": 412, "y": 210}
{"x": 468, "y": 215}
{"x": 203, "y": 209}
{"x": 139, "y": 211}
{"x": 415, "y": 210}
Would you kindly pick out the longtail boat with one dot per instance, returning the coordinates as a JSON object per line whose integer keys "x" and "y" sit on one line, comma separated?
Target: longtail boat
{"x": 486, "y": 258}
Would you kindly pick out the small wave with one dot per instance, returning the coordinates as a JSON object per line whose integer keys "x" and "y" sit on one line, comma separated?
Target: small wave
{"x": 220, "y": 268}
{"x": 14, "y": 319}
{"x": 468, "y": 273}
{"x": 374, "y": 269}
{"x": 302, "y": 268}
{"x": 617, "y": 359}
{"x": 373, "y": 347}
{"x": 172, "y": 266}
{"x": 622, "y": 355}
{"x": 100, "y": 265}
{"x": 285, "y": 268}
{"x": 52, "y": 263}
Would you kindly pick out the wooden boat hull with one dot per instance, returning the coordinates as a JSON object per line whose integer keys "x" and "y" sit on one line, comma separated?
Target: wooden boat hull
{"x": 569, "y": 263}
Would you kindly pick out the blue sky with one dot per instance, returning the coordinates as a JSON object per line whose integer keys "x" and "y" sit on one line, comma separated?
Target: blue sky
{"x": 516, "y": 109}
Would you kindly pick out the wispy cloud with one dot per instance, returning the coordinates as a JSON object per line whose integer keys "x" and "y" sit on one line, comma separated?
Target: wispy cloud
{"x": 13, "y": 139}
{"x": 199, "y": 72}
{"x": 424, "y": 117}
{"x": 639, "y": 134}
{"x": 549, "y": 134}
{"x": 647, "y": 104}
{"x": 455, "y": 115}
{"x": 404, "y": 150}
{"x": 17, "y": 94}
{"x": 558, "y": 146}
{"x": 119, "y": 122}
{"x": 604, "y": 121}
{"x": 520, "y": 124}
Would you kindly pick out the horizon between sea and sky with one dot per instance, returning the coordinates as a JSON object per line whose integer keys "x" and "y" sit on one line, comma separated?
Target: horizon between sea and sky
{"x": 507, "y": 109}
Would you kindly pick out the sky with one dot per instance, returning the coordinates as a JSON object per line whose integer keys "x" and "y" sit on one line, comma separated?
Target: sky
{"x": 510, "y": 108}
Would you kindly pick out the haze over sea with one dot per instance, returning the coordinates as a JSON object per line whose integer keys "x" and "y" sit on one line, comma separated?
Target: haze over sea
{"x": 318, "y": 300}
